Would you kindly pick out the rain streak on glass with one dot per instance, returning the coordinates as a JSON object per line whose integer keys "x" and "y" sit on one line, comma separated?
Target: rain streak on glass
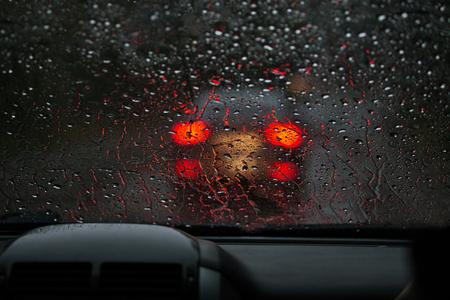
{"x": 249, "y": 114}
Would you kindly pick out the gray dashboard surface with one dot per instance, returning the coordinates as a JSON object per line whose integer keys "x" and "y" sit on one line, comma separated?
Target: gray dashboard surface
{"x": 308, "y": 271}
{"x": 270, "y": 268}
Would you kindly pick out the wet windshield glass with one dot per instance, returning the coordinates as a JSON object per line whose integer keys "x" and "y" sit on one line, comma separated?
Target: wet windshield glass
{"x": 247, "y": 114}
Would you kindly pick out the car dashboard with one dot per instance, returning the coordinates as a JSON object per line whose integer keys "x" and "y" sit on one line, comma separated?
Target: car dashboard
{"x": 132, "y": 261}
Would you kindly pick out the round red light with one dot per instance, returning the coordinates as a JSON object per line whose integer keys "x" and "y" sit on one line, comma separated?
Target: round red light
{"x": 284, "y": 135}
{"x": 283, "y": 171}
{"x": 187, "y": 133}
{"x": 188, "y": 169}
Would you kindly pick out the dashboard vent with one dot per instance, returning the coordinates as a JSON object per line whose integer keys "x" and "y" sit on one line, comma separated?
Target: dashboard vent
{"x": 140, "y": 281}
{"x": 49, "y": 281}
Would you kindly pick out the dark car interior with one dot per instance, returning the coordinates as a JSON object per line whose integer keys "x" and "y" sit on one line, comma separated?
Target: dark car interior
{"x": 128, "y": 261}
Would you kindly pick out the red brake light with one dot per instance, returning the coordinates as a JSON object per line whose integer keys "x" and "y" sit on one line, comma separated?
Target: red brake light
{"x": 188, "y": 169}
{"x": 285, "y": 135}
{"x": 283, "y": 171}
{"x": 187, "y": 133}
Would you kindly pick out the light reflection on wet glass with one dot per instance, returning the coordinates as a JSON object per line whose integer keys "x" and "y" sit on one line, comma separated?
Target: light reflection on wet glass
{"x": 251, "y": 115}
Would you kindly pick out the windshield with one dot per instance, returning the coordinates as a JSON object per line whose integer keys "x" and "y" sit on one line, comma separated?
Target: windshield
{"x": 251, "y": 114}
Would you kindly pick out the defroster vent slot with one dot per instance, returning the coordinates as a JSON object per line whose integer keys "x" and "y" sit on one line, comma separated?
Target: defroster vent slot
{"x": 140, "y": 281}
{"x": 62, "y": 281}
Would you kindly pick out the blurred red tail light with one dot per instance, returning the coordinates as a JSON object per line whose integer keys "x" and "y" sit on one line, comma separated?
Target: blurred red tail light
{"x": 188, "y": 169}
{"x": 284, "y": 135}
{"x": 283, "y": 171}
{"x": 187, "y": 133}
